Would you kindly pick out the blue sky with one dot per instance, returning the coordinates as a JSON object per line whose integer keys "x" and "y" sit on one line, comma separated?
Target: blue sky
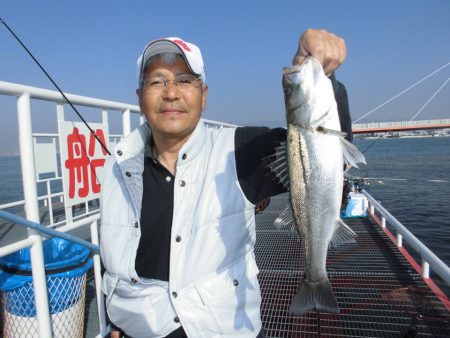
{"x": 90, "y": 48}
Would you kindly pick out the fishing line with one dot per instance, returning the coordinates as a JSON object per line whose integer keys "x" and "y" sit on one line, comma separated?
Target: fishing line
{"x": 402, "y": 92}
{"x": 57, "y": 87}
{"x": 432, "y": 96}
{"x": 407, "y": 180}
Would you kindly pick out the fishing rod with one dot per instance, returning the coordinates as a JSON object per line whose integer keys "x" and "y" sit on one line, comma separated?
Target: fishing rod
{"x": 57, "y": 87}
{"x": 381, "y": 180}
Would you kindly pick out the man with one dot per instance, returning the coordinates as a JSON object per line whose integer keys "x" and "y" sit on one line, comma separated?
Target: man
{"x": 178, "y": 198}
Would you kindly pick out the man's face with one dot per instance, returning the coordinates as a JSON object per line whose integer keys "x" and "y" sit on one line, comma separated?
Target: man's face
{"x": 171, "y": 114}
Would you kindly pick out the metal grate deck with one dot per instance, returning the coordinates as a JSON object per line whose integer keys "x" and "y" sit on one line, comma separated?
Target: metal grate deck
{"x": 378, "y": 292}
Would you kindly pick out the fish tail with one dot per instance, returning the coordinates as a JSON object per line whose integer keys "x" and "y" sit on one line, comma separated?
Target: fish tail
{"x": 314, "y": 295}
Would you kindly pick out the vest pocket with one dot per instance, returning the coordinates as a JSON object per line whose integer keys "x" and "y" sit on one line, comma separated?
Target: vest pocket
{"x": 140, "y": 311}
{"x": 231, "y": 299}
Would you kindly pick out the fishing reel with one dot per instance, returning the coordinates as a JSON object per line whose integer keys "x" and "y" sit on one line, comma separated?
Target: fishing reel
{"x": 354, "y": 184}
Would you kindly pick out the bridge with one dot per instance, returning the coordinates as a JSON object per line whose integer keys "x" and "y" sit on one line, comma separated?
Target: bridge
{"x": 379, "y": 127}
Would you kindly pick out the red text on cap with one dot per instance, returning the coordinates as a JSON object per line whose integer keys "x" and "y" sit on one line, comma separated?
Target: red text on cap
{"x": 182, "y": 44}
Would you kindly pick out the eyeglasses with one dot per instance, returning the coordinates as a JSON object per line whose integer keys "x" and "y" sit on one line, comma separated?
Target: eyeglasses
{"x": 185, "y": 83}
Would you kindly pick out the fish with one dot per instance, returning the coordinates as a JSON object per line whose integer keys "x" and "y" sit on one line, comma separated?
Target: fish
{"x": 311, "y": 166}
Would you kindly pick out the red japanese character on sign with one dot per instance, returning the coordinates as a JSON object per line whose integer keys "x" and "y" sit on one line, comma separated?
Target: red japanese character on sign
{"x": 95, "y": 163}
{"x": 79, "y": 164}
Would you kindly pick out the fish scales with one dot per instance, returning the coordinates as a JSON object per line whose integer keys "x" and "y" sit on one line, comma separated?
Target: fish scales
{"x": 316, "y": 174}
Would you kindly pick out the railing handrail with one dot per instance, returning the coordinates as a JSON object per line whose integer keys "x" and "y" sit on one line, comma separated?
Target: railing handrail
{"x": 14, "y": 89}
{"x": 22, "y": 202}
{"x": 425, "y": 253}
{"x": 51, "y": 232}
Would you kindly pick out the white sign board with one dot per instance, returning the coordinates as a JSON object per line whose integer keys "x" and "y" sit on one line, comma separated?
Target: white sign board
{"x": 45, "y": 158}
{"x": 82, "y": 160}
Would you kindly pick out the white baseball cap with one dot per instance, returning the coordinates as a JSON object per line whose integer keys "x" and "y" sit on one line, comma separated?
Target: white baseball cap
{"x": 190, "y": 52}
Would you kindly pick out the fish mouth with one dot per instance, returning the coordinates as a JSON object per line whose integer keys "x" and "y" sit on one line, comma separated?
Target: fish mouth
{"x": 291, "y": 70}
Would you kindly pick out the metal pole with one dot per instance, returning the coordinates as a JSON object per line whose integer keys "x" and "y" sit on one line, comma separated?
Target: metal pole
{"x": 126, "y": 122}
{"x": 60, "y": 116}
{"x": 32, "y": 213}
{"x": 425, "y": 269}
{"x": 98, "y": 282}
{"x": 142, "y": 119}
{"x": 50, "y": 206}
{"x": 46, "y": 230}
{"x": 399, "y": 240}
{"x": 15, "y": 246}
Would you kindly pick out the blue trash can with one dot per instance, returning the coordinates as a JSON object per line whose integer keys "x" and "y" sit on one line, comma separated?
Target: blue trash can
{"x": 66, "y": 265}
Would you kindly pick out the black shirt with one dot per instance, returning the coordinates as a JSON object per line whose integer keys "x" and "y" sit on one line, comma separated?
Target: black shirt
{"x": 252, "y": 146}
{"x": 152, "y": 260}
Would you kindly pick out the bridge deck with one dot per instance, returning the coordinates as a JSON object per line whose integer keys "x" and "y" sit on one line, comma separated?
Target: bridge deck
{"x": 394, "y": 129}
{"x": 379, "y": 127}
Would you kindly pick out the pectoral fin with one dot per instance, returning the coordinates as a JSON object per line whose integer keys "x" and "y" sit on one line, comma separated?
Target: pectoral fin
{"x": 279, "y": 165}
{"x": 352, "y": 155}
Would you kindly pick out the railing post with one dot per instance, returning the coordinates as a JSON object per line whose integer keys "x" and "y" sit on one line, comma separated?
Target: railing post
{"x": 32, "y": 213}
{"x": 104, "y": 116}
{"x": 126, "y": 122}
{"x": 98, "y": 282}
{"x": 49, "y": 199}
{"x": 60, "y": 116}
{"x": 425, "y": 269}
{"x": 383, "y": 222}
{"x": 399, "y": 240}
{"x": 142, "y": 119}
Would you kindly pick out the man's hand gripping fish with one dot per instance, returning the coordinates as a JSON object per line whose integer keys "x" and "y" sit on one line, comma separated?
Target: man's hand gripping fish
{"x": 316, "y": 152}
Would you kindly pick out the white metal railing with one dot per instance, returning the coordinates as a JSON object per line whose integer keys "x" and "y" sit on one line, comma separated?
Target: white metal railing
{"x": 24, "y": 96}
{"x": 429, "y": 259}
{"x": 14, "y": 89}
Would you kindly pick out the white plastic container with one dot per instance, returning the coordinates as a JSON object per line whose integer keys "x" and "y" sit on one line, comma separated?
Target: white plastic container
{"x": 356, "y": 206}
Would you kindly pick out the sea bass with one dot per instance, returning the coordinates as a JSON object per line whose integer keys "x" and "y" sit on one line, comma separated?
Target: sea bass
{"x": 316, "y": 151}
